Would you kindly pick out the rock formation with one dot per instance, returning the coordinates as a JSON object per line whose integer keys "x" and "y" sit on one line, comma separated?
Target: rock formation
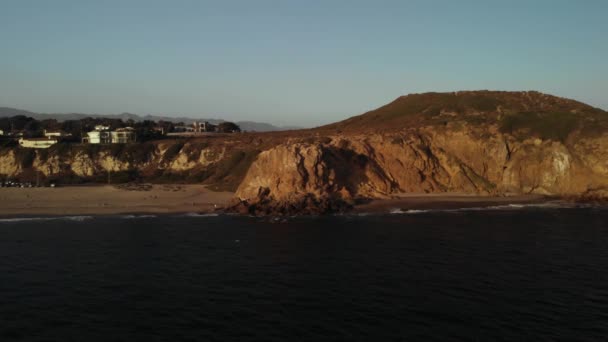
{"x": 538, "y": 145}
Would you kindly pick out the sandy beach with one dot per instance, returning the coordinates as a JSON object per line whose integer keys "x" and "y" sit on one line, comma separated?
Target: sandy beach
{"x": 195, "y": 198}
{"x": 109, "y": 200}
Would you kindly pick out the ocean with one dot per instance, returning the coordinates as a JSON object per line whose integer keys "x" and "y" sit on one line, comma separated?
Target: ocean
{"x": 518, "y": 273}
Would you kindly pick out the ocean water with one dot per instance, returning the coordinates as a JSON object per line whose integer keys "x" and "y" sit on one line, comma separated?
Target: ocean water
{"x": 528, "y": 273}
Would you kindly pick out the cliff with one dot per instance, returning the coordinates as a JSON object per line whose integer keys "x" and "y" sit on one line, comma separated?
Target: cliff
{"x": 494, "y": 143}
{"x": 218, "y": 163}
{"x": 425, "y": 161}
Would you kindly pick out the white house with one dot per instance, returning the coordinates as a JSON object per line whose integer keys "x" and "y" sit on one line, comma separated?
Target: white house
{"x": 203, "y": 127}
{"x": 37, "y": 142}
{"x": 103, "y": 135}
{"x": 98, "y": 136}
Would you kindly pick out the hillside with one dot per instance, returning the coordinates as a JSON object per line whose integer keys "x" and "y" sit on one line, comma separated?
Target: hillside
{"x": 524, "y": 114}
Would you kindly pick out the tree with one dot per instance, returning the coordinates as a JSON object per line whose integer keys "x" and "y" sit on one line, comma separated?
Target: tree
{"x": 73, "y": 127}
{"x": 32, "y": 129}
{"x": 50, "y": 125}
{"x": 228, "y": 127}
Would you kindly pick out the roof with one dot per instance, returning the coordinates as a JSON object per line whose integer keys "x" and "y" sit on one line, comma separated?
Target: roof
{"x": 37, "y": 139}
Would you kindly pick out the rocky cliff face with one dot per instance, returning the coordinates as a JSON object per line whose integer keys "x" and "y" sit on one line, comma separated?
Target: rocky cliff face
{"x": 428, "y": 160}
{"x": 480, "y": 142}
{"x": 163, "y": 161}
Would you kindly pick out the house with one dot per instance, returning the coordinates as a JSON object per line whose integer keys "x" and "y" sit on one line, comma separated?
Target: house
{"x": 56, "y": 134}
{"x": 37, "y": 142}
{"x": 100, "y": 135}
{"x": 103, "y": 135}
{"x": 204, "y": 127}
{"x": 123, "y": 135}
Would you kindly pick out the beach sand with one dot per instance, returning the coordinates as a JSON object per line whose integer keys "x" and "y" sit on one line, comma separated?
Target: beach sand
{"x": 195, "y": 198}
{"x": 108, "y": 200}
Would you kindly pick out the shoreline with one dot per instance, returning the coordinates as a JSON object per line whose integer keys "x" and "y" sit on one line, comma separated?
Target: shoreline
{"x": 195, "y": 199}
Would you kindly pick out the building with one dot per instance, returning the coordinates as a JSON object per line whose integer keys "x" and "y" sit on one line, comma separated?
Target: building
{"x": 183, "y": 129}
{"x": 1, "y": 132}
{"x": 203, "y": 127}
{"x": 194, "y": 129}
{"x": 103, "y": 135}
{"x": 37, "y": 142}
{"x": 123, "y": 136}
{"x": 100, "y": 135}
{"x": 56, "y": 134}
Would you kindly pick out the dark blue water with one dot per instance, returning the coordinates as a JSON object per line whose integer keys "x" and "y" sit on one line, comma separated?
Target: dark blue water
{"x": 530, "y": 274}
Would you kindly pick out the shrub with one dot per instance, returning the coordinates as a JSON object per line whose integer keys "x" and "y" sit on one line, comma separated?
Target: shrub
{"x": 126, "y": 176}
{"x": 172, "y": 152}
{"x": 137, "y": 153}
{"x": 553, "y": 126}
{"x": 25, "y": 157}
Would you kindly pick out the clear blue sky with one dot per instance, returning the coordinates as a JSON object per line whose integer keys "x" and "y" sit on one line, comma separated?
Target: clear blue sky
{"x": 292, "y": 62}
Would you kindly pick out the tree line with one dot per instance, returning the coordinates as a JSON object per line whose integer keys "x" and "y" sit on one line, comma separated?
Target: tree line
{"x": 145, "y": 130}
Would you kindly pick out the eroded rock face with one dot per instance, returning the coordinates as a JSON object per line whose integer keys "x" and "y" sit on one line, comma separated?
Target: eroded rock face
{"x": 8, "y": 164}
{"x": 426, "y": 161}
{"x": 89, "y": 162}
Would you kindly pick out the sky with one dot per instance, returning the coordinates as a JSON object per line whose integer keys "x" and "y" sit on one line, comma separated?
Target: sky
{"x": 303, "y": 63}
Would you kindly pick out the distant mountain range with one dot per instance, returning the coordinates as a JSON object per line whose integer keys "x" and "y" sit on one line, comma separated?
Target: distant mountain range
{"x": 245, "y": 125}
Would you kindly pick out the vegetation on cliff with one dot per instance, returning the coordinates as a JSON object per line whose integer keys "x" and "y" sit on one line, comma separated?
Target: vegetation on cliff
{"x": 521, "y": 114}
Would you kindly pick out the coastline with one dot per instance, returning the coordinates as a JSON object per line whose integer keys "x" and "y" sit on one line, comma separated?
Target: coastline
{"x": 141, "y": 199}
{"x": 111, "y": 200}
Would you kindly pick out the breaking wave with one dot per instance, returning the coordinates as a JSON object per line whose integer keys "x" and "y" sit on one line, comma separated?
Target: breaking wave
{"x": 511, "y": 206}
{"x": 200, "y": 215}
{"x": 57, "y": 218}
{"x": 136, "y": 216}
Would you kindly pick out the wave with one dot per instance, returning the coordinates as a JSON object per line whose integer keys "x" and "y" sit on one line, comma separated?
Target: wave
{"x": 136, "y": 216}
{"x": 200, "y": 215}
{"x": 50, "y": 218}
{"x": 505, "y": 207}
{"x": 410, "y": 211}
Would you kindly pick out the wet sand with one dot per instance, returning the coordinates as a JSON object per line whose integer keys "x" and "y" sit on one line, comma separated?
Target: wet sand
{"x": 108, "y": 200}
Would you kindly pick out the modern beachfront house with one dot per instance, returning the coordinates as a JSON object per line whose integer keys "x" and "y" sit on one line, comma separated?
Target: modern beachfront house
{"x": 103, "y": 135}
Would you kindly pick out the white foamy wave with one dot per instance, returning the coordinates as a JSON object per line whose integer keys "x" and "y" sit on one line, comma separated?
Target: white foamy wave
{"x": 505, "y": 207}
{"x": 410, "y": 211}
{"x": 57, "y": 218}
{"x": 517, "y": 206}
{"x": 200, "y": 215}
{"x": 136, "y": 216}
